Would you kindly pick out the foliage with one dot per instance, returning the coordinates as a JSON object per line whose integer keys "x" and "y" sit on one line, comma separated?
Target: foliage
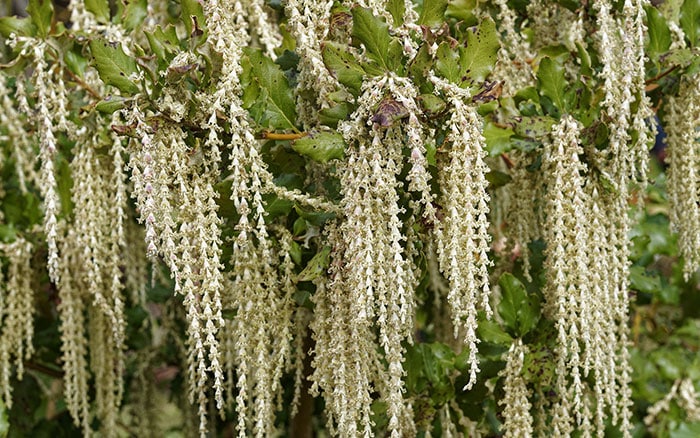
{"x": 402, "y": 218}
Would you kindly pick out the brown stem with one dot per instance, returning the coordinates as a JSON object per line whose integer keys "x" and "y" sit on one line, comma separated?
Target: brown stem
{"x": 660, "y": 75}
{"x": 280, "y": 136}
{"x": 58, "y": 374}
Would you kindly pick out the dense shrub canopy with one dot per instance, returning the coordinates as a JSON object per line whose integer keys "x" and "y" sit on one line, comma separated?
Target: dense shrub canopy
{"x": 368, "y": 217}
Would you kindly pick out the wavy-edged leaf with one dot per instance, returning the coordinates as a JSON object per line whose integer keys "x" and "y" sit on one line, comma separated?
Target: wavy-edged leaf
{"x": 113, "y": 65}
{"x": 659, "y": 33}
{"x": 520, "y": 311}
{"x": 18, "y": 26}
{"x": 343, "y": 65}
{"x": 41, "y": 12}
{"x": 373, "y": 33}
{"x": 276, "y": 98}
{"x": 317, "y": 266}
{"x": 99, "y": 8}
{"x": 479, "y": 58}
{"x": 433, "y": 13}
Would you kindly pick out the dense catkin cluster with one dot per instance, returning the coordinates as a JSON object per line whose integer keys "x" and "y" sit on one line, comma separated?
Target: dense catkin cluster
{"x": 586, "y": 305}
{"x": 409, "y": 215}
{"x": 377, "y": 275}
{"x": 462, "y": 235}
{"x": 16, "y": 313}
{"x": 310, "y": 21}
{"x": 681, "y": 125}
{"x": 518, "y": 419}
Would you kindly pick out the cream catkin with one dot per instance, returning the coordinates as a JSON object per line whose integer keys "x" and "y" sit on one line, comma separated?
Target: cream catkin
{"x": 399, "y": 223}
{"x": 681, "y": 125}
{"x": 16, "y": 313}
{"x": 462, "y": 235}
{"x": 518, "y": 420}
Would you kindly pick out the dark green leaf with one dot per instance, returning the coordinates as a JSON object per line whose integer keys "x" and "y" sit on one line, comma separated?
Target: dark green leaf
{"x": 490, "y": 331}
{"x": 433, "y": 13}
{"x": 373, "y": 32}
{"x": 41, "y": 12}
{"x": 16, "y": 25}
{"x": 432, "y": 104}
{"x": 643, "y": 282}
{"x": 113, "y": 65}
{"x": 75, "y": 62}
{"x": 314, "y": 218}
{"x": 690, "y": 20}
{"x": 321, "y": 147}
{"x": 343, "y": 65}
{"x": 659, "y": 33}
{"x": 534, "y": 127}
{"x": 520, "y": 311}
{"x": 275, "y": 92}
{"x": 99, "y": 8}
{"x": 497, "y": 179}
{"x": 317, "y": 266}
{"x": 552, "y": 83}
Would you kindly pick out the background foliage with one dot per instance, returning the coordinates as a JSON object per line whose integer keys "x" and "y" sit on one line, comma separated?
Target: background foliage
{"x": 665, "y": 307}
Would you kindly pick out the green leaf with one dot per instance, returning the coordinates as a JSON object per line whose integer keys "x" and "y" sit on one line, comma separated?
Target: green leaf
{"x": 497, "y": 139}
{"x": 41, "y": 12}
{"x": 16, "y": 25}
{"x": 193, "y": 18}
{"x": 134, "y": 13}
{"x": 432, "y": 104}
{"x": 99, "y": 8}
{"x": 462, "y": 10}
{"x": 433, "y": 13}
{"x": 373, "y": 32}
{"x": 479, "y": 58}
{"x": 110, "y": 104}
{"x": 75, "y": 62}
{"x": 396, "y": 8}
{"x": 520, "y": 312}
{"x": 690, "y": 20}
{"x": 659, "y": 33}
{"x": 490, "y": 331}
{"x": 686, "y": 430}
{"x": 552, "y": 83}
{"x": 113, "y": 65}
{"x": 317, "y": 266}
{"x": 447, "y": 63}
{"x": 343, "y": 65}
{"x": 498, "y": 179}
{"x": 275, "y": 92}
{"x": 164, "y": 44}
{"x": 321, "y": 147}
{"x": 534, "y": 126}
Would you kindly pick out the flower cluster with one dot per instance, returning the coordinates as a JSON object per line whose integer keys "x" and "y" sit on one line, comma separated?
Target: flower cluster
{"x": 682, "y": 137}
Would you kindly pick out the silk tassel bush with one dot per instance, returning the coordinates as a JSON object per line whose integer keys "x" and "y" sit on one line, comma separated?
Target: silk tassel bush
{"x": 383, "y": 213}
